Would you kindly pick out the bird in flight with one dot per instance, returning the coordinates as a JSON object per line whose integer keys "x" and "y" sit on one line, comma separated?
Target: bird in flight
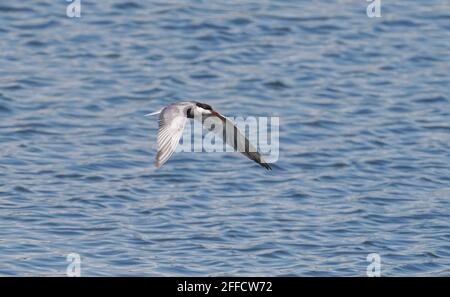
{"x": 172, "y": 120}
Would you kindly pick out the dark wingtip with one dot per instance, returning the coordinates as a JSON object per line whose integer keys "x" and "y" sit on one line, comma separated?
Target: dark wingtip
{"x": 266, "y": 165}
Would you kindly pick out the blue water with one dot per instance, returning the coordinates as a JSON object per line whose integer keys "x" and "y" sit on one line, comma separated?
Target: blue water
{"x": 364, "y": 162}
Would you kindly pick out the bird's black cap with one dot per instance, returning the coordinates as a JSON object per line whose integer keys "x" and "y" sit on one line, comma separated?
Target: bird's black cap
{"x": 203, "y": 105}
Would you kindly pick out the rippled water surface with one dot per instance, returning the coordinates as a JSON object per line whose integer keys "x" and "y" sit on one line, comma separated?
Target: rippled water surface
{"x": 364, "y": 161}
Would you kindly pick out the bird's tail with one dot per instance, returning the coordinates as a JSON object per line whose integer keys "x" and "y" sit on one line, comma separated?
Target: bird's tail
{"x": 154, "y": 113}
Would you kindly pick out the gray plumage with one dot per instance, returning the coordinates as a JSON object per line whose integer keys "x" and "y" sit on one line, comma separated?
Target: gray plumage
{"x": 172, "y": 120}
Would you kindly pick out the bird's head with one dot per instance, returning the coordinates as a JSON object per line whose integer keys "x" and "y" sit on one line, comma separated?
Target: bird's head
{"x": 205, "y": 109}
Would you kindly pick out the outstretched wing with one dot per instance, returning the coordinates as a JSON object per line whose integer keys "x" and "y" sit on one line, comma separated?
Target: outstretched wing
{"x": 171, "y": 125}
{"x": 237, "y": 140}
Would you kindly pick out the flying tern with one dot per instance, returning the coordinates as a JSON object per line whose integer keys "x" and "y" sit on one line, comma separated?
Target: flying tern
{"x": 172, "y": 120}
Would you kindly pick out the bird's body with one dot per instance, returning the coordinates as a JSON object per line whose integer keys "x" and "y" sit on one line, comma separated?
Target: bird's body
{"x": 172, "y": 120}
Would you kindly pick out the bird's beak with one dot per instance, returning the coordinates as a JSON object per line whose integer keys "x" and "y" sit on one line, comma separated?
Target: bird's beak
{"x": 215, "y": 113}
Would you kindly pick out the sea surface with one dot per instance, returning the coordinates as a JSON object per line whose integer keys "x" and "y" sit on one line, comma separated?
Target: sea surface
{"x": 364, "y": 160}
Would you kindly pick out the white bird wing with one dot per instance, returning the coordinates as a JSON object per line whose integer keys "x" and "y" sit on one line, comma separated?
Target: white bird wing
{"x": 237, "y": 140}
{"x": 171, "y": 125}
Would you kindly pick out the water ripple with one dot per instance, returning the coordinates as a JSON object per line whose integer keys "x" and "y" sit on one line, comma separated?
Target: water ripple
{"x": 364, "y": 156}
